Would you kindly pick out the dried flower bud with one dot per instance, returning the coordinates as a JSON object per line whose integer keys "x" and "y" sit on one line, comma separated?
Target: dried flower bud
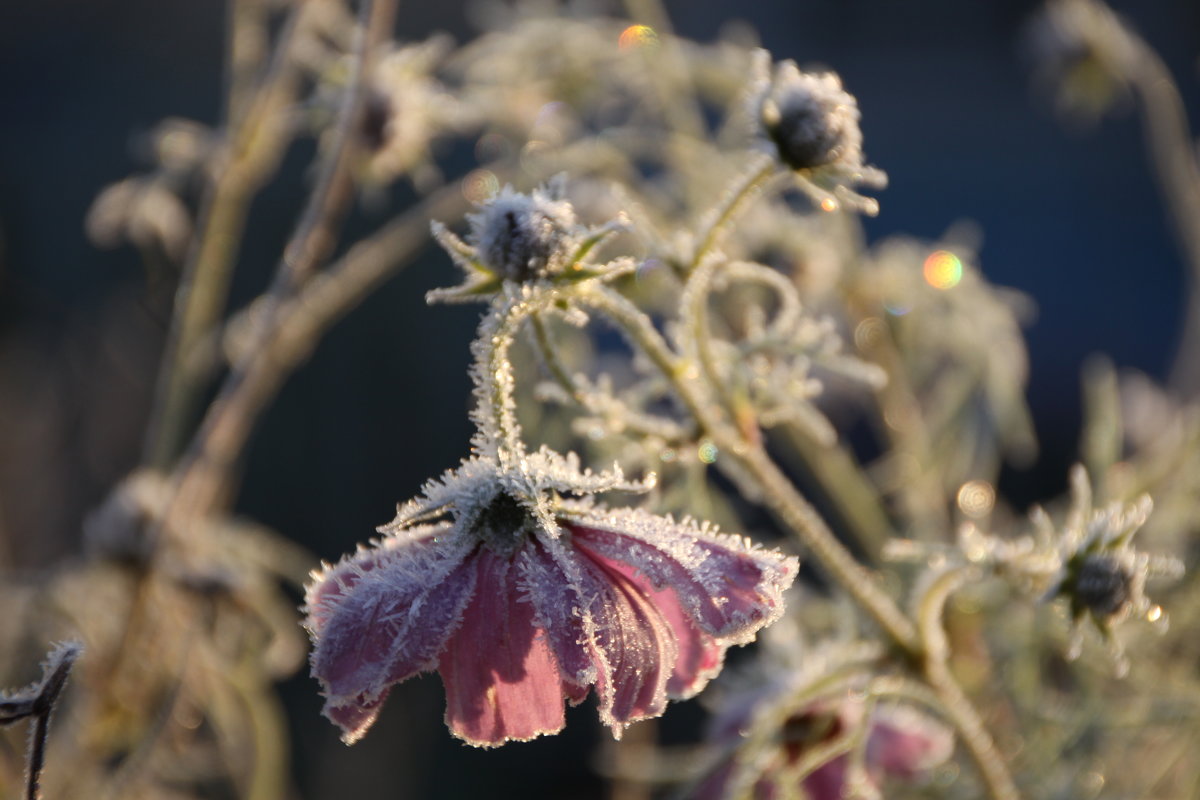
{"x": 1084, "y": 53}
{"x": 811, "y": 119}
{"x": 520, "y": 238}
{"x": 810, "y": 123}
{"x": 523, "y": 236}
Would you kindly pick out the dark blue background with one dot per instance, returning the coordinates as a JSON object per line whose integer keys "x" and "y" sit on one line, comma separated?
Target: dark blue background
{"x": 1072, "y": 218}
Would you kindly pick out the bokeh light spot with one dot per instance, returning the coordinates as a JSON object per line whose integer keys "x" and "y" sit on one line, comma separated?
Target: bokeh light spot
{"x": 976, "y": 498}
{"x": 943, "y": 270}
{"x": 829, "y": 204}
{"x": 637, "y": 36}
{"x": 707, "y": 452}
{"x": 479, "y": 185}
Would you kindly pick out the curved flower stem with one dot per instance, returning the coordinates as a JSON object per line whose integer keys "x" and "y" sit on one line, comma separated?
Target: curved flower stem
{"x": 496, "y": 412}
{"x": 869, "y": 524}
{"x": 1173, "y": 154}
{"x": 955, "y": 704}
{"x": 609, "y": 408}
{"x": 715, "y": 222}
{"x": 549, "y": 356}
{"x": 697, "y": 341}
{"x": 779, "y": 493}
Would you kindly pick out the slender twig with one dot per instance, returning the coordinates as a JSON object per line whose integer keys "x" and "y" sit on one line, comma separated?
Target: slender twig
{"x": 205, "y": 472}
{"x": 955, "y": 704}
{"x": 250, "y": 155}
{"x": 37, "y": 702}
{"x": 716, "y": 222}
{"x": 1172, "y": 151}
{"x": 629, "y": 419}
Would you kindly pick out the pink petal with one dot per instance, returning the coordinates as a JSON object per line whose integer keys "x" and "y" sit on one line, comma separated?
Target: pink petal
{"x": 553, "y": 587}
{"x": 501, "y": 679}
{"x": 905, "y": 743}
{"x": 700, "y": 656}
{"x": 328, "y": 587}
{"x": 355, "y": 718}
{"x": 637, "y": 646}
{"x": 388, "y": 620}
{"x": 827, "y": 781}
{"x": 603, "y": 629}
{"x": 728, "y": 589}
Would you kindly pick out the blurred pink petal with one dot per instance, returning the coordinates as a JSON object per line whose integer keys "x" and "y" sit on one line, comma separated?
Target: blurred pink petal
{"x": 902, "y": 744}
{"x": 501, "y": 680}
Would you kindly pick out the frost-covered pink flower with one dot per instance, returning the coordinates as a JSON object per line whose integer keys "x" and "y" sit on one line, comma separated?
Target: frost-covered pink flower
{"x": 901, "y": 744}
{"x": 521, "y": 600}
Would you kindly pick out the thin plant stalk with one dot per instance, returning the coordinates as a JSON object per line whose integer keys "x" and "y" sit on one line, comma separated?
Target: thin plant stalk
{"x": 781, "y": 496}
{"x": 1173, "y": 154}
{"x": 251, "y": 153}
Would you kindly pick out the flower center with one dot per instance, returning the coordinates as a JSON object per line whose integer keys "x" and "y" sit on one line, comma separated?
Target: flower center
{"x": 1103, "y": 586}
{"x": 502, "y": 524}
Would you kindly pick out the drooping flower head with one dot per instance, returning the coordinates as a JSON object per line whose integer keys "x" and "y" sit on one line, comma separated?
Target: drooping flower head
{"x": 522, "y": 598}
{"x": 810, "y": 123}
{"x": 811, "y": 745}
{"x": 518, "y": 238}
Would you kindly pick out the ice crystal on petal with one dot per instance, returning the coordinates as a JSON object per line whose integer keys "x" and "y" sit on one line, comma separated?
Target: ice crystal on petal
{"x": 523, "y": 599}
{"x": 810, "y": 123}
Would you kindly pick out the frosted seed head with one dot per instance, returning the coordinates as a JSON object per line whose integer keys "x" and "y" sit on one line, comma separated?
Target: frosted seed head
{"x": 811, "y": 119}
{"x": 524, "y": 237}
{"x": 810, "y": 124}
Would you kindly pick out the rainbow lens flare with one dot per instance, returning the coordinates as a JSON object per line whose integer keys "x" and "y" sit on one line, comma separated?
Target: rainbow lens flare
{"x": 943, "y": 270}
{"x": 637, "y": 36}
